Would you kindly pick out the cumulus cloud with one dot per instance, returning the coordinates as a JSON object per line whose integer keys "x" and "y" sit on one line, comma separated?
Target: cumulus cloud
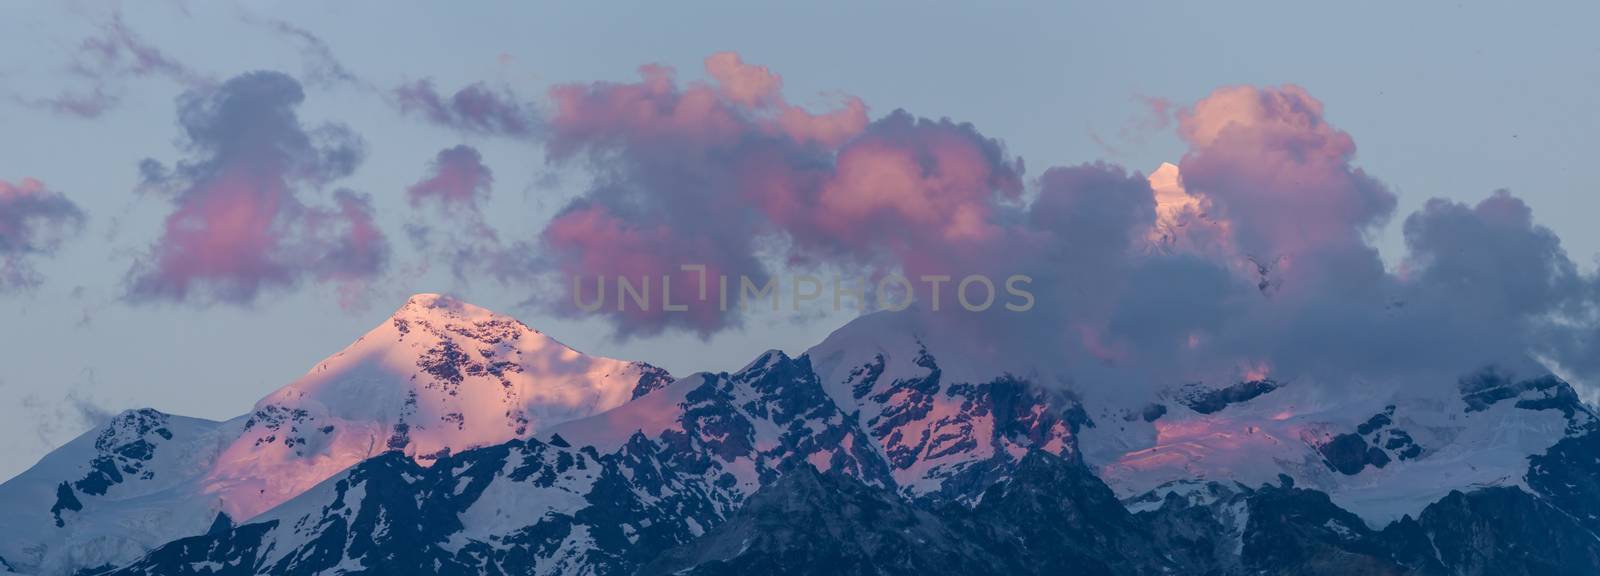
{"x": 246, "y": 217}
{"x": 1283, "y": 177}
{"x": 474, "y": 109}
{"x": 1252, "y": 254}
{"x": 1488, "y": 279}
{"x": 713, "y": 173}
{"x": 1264, "y": 264}
{"x": 1276, "y": 205}
{"x": 34, "y": 222}
{"x": 1491, "y": 256}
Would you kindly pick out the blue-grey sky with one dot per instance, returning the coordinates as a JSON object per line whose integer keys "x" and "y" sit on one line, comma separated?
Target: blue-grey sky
{"x": 1443, "y": 99}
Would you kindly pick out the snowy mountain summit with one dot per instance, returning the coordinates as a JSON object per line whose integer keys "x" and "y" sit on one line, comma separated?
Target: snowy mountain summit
{"x": 439, "y": 376}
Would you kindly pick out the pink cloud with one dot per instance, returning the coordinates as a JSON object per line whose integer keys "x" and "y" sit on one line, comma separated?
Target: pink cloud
{"x": 745, "y": 84}
{"x": 599, "y": 246}
{"x": 708, "y": 173}
{"x": 1265, "y": 161}
{"x": 243, "y": 221}
{"x": 914, "y": 176}
{"x": 1253, "y": 250}
{"x": 450, "y": 224}
{"x": 743, "y": 101}
{"x": 459, "y": 180}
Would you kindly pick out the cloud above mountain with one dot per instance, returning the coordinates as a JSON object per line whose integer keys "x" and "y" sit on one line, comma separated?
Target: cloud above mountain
{"x": 708, "y": 173}
{"x": 458, "y": 180}
{"x": 448, "y": 223}
{"x": 1251, "y": 253}
{"x": 1254, "y": 252}
{"x": 252, "y": 211}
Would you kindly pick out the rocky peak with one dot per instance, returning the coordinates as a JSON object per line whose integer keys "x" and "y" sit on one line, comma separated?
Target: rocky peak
{"x": 133, "y": 433}
{"x": 1490, "y": 386}
{"x": 439, "y": 376}
{"x": 808, "y": 522}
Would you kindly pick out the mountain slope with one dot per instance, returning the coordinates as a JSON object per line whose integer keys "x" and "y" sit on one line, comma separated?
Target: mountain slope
{"x": 705, "y": 442}
{"x": 809, "y": 522}
{"x": 545, "y": 506}
{"x": 439, "y": 376}
{"x": 109, "y": 494}
{"x": 945, "y": 412}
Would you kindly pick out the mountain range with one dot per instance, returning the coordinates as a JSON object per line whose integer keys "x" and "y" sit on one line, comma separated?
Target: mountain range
{"x": 454, "y": 440}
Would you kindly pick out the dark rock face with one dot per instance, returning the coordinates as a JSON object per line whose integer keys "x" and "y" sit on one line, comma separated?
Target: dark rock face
{"x": 281, "y": 424}
{"x": 1214, "y": 528}
{"x": 1021, "y": 415}
{"x": 917, "y": 395}
{"x": 651, "y": 378}
{"x": 1374, "y": 443}
{"x": 122, "y": 452}
{"x": 1504, "y": 530}
{"x": 813, "y": 523}
{"x": 1058, "y": 518}
{"x": 391, "y": 516}
{"x": 1568, "y": 477}
{"x": 231, "y": 554}
{"x": 128, "y": 442}
{"x": 1051, "y": 517}
{"x": 1202, "y": 531}
{"x": 1400, "y": 443}
{"x": 1349, "y": 454}
{"x": 720, "y": 417}
{"x": 1153, "y": 412}
{"x": 66, "y": 500}
{"x": 1211, "y": 401}
{"x": 1295, "y": 531}
{"x": 1491, "y": 386}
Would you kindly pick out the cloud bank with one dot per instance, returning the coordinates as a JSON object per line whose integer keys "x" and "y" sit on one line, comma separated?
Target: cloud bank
{"x": 1252, "y": 253}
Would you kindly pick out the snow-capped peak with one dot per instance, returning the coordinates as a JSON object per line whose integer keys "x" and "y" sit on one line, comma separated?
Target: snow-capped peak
{"x": 439, "y": 307}
{"x": 110, "y": 493}
{"x": 431, "y": 346}
{"x": 438, "y": 376}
